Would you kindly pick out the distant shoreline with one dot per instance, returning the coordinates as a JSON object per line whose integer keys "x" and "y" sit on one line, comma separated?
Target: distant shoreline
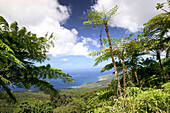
{"x": 102, "y": 81}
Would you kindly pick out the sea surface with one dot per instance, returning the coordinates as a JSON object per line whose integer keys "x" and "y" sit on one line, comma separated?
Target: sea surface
{"x": 80, "y": 76}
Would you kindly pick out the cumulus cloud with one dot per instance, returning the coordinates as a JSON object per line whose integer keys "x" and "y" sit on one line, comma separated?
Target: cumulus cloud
{"x": 132, "y": 14}
{"x": 66, "y": 41}
{"x": 42, "y": 16}
{"x": 31, "y": 12}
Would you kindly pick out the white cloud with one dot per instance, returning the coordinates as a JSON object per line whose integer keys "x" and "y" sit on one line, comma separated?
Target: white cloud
{"x": 66, "y": 42}
{"x": 64, "y": 59}
{"x": 31, "y": 12}
{"x": 42, "y": 16}
{"x": 132, "y": 14}
{"x": 90, "y": 40}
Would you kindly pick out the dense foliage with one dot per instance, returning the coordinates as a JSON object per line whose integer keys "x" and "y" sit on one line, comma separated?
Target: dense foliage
{"x": 20, "y": 50}
{"x": 144, "y": 80}
{"x": 8, "y": 107}
{"x": 33, "y": 105}
{"x": 101, "y": 100}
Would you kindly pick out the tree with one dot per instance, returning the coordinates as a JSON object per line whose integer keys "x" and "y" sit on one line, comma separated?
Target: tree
{"x": 6, "y": 59}
{"x": 129, "y": 52}
{"x": 95, "y": 18}
{"x": 120, "y": 50}
{"x": 156, "y": 37}
{"x": 135, "y": 52}
{"x": 27, "y": 49}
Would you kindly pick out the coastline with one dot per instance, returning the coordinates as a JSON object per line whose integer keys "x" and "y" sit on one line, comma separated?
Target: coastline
{"x": 102, "y": 81}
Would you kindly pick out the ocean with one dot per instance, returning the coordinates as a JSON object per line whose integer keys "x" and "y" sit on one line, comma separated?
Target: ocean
{"x": 80, "y": 76}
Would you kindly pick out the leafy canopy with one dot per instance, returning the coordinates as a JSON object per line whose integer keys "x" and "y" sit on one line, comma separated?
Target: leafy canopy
{"x": 20, "y": 50}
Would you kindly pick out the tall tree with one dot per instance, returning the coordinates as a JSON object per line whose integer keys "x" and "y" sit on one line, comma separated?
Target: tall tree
{"x": 28, "y": 49}
{"x": 95, "y": 18}
{"x": 156, "y": 37}
{"x": 131, "y": 50}
{"x": 135, "y": 53}
{"x": 121, "y": 51}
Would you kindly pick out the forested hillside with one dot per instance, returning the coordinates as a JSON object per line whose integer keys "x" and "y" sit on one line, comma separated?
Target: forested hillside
{"x": 140, "y": 81}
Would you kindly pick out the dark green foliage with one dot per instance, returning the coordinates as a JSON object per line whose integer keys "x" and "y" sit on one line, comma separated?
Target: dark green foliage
{"x": 150, "y": 73}
{"x": 7, "y": 105}
{"x": 33, "y": 105}
{"x": 76, "y": 106}
{"x": 60, "y": 100}
{"x": 7, "y": 57}
{"x": 20, "y": 50}
{"x": 166, "y": 65}
{"x": 152, "y": 95}
{"x": 99, "y": 101}
{"x": 156, "y": 38}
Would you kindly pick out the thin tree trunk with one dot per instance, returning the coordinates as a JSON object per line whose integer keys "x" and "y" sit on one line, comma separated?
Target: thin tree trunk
{"x": 127, "y": 72}
{"x": 164, "y": 78}
{"x": 113, "y": 61}
{"x": 167, "y": 52}
{"x": 136, "y": 75}
{"x": 128, "y": 75}
{"x": 124, "y": 75}
{"x": 159, "y": 58}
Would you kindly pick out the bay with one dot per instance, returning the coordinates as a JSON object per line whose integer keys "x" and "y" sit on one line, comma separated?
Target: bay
{"x": 80, "y": 76}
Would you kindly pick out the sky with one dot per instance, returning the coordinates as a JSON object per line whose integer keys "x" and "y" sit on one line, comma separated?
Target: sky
{"x": 73, "y": 41}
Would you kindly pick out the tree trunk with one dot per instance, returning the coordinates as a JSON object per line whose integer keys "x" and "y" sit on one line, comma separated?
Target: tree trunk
{"x": 113, "y": 61}
{"x": 167, "y": 52}
{"x": 124, "y": 74}
{"x": 159, "y": 58}
{"x": 136, "y": 75}
{"x": 128, "y": 75}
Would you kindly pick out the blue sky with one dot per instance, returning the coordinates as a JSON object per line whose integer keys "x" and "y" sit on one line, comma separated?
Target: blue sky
{"x": 62, "y": 17}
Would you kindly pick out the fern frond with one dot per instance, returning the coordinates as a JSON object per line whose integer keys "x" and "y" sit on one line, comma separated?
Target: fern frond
{"x": 4, "y": 82}
{"x": 3, "y": 24}
{"x": 101, "y": 58}
{"x": 97, "y": 53}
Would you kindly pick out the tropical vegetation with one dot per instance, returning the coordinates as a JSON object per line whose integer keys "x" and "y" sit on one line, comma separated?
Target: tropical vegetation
{"x": 20, "y": 50}
{"x": 141, "y": 65}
